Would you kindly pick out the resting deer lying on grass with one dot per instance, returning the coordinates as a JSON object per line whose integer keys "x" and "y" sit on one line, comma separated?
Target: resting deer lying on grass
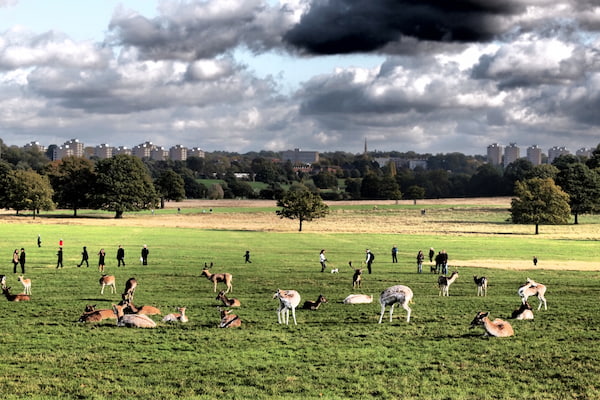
{"x": 288, "y": 300}
{"x": 532, "y": 288}
{"x": 524, "y": 312}
{"x": 399, "y": 294}
{"x": 444, "y": 283}
{"x": 129, "y": 308}
{"x": 358, "y": 299}
{"x": 26, "y": 284}
{"x": 314, "y": 305}
{"x": 107, "y": 280}
{"x": 216, "y": 278}
{"x": 482, "y": 284}
{"x": 92, "y": 315}
{"x": 132, "y": 320}
{"x": 497, "y": 327}
{"x": 229, "y": 320}
{"x": 176, "y": 317}
{"x": 232, "y": 302}
{"x": 15, "y": 297}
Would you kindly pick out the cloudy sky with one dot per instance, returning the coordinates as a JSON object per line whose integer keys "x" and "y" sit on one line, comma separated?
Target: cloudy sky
{"x": 430, "y": 76}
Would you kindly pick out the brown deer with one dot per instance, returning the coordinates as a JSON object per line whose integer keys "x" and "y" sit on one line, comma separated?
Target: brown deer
{"x": 216, "y": 278}
{"x": 229, "y": 320}
{"x": 130, "y": 286}
{"x": 523, "y": 312}
{"x": 26, "y": 284}
{"x": 497, "y": 327}
{"x": 107, "y": 280}
{"x": 314, "y": 305}
{"x": 532, "y": 288}
{"x": 228, "y": 302}
{"x": 176, "y": 317}
{"x": 92, "y": 315}
{"x": 15, "y": 297}
{"x": 132, "y": 320}
{"x": 129, "y": 308}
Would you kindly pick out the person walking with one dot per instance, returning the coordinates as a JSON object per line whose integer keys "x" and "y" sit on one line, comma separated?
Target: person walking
{"x": 370, "y": 257}
{"x": 420, "y": 258}
{"x": 247, "y": 257}
{"x": 394, "y": 254}
{"x": 39, "y": 241}
{"x": 22, "y": 260}
{"x": 101, "y": 256}
{"x": 145, "y": 253}
{"x": 121, "y": 256}
{"x": 323, "y": 260}
{"x": 15, "y": 260}
{"x": 59, "y": 258}
{"x": 431, "y": 254}
{"x": 84, "y": 258}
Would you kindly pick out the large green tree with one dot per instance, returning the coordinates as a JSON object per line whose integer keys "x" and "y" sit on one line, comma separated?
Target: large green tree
{"x": 539, "y": 201}
{"x": 582, "y": 185}
{"x": 72, "y": 179}
{"x": 302, "y": 205}
{"x": 28, "y": 190}
{"x": 123, "y": 184}
{"x": 170, "y": 186}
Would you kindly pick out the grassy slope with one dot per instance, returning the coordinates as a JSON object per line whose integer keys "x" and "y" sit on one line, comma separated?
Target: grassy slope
{"x": 338, "y": 351}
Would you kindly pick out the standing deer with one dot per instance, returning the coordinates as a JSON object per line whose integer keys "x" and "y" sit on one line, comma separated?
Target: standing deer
{"x": 497, "y": 327}
{"x": 482, "y": 284}
{"x": 314, "y": 305}
{"x": 399, "y": 294}
{"x": 130, "y": 286}
{"x": 532, "y": 288}
{"x": 357, "y": 277}
{"x": 288, "y": 300}
{"x": 215, "y": 278}
{"x": 444, "y": 283}
{"x": 26, "y": 284}
{"x": 107, "y": 280}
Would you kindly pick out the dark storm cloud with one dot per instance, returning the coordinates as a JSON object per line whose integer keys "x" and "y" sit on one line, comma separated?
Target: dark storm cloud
{"x": 347, "y": 26}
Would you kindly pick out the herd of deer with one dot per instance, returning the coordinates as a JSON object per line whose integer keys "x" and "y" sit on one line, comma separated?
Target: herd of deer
{"x": 128, "y": 315}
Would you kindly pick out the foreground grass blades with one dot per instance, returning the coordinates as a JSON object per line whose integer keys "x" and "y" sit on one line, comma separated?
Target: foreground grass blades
{"x": 338, "y": 351}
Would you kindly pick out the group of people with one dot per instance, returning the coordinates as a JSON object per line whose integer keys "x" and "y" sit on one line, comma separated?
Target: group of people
{"x": 370, "y": 257}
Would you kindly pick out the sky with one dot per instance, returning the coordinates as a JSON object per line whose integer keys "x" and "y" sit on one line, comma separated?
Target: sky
{"x": 428, "y": 76}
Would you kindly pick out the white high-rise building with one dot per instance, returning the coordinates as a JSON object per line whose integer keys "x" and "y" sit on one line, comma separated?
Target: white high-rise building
{"x": 494, "y": 154}
{"x": 556, "y": 152}
{"x": 511, "y": 154}
{"x": 534, "y": 154}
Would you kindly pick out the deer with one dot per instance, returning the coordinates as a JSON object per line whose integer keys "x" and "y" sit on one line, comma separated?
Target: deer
{"x": 391, "y": 296}
{"x": 145, "y": 310}
{"x": 91, "y": 314}
{"x": 176, "y": 317}
{"x": 358, "y": 299}
{"x": 3, "y": 281}
{"x": 229, "y": 320}
{"x": 356, "y": 278}
{"x": 532, "y": 288}
{"x": 132, "y": 320}
{"x": 107, "y": 280}
{"x": 216, "y": 278}
{"x": 15, "y": 297}
{"x": 482, "y": 284}
{"x": 314, "y": 305}
{"x": 130, "y": 286}
{"x": 232, "y": 302}
{"x": 496, "y": 328}
{"x": 523, "y": 312}
{"x": 26, "y": 284}
{"x": 288, "y": 300}
{"x": 444, "y": 283}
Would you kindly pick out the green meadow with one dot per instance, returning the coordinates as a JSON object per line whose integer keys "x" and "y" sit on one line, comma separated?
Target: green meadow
{"x": 336, "y": 352}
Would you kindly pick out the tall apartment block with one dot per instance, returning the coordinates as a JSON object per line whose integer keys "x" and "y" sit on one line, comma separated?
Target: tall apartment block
{"x": 494, "y": 154}
{"x": 103, "y": 151}
{"x": 300, "y": 157}
{"x": 556, "y": 152}
{"x": 511, "y": 154}
{"x": 534, "y": 155}
{"x": 584, "y": 152}
{"x": 178, "y": 153}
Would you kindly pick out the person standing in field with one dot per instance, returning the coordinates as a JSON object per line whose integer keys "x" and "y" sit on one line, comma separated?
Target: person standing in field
{"x": 145, "y": 253}
{"x": 369, "y": 259}
{"x": 535, "y": 260}
{"x": 247, "y": 257}
{"x": 101, "y": 256}
{"x": 394, "y": 254}
{"x": 22, "y": 260}
{"x": 84, "y": 258}
{"x": 39, "y": 241}
{"x": 15, "y": 260}
{"x": 420, "y": 258}
{"x": 59, "y": 258}
{"x": 444, "y": 262}
{"x": 431, "y": 254}
{"x": 121, "y": 256}
{"x": 323, "y": 260}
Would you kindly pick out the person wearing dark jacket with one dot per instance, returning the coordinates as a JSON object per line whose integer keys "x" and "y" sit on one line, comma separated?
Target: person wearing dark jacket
{"x": 145, "y": 252}
{"x": 121, "y": 256}
{"x": 84, "y": 258}
{"x": 59, "y": 258}
{"x": 369, "y": 259}
{"x": 22, "y": 260}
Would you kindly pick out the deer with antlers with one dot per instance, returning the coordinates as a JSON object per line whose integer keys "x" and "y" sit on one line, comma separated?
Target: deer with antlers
{"x": 216, "y": 278}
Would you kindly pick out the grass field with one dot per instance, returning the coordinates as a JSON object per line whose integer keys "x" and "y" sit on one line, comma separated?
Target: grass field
{"x": 336, "y": 352}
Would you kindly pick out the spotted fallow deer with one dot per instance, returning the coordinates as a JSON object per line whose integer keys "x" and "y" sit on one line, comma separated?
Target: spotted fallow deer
{"x": 497, "y": 327}
{"x": 391, "y": 296}
{"x": 288, "y": 300}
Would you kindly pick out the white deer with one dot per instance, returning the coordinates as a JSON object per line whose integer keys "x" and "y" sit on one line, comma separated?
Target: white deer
{"x": 399, "y": 294}
{"x": 288, "y": 300}
{"x": 532, "y": 288}
{"x": 26, "y": 284}
{"x": 497, "y": 327}
{"x": 444, "y": 283}
{"x": 176, "y": 317}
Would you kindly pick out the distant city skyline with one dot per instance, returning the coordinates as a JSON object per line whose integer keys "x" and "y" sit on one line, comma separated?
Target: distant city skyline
{"x": 251, "y": 75}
